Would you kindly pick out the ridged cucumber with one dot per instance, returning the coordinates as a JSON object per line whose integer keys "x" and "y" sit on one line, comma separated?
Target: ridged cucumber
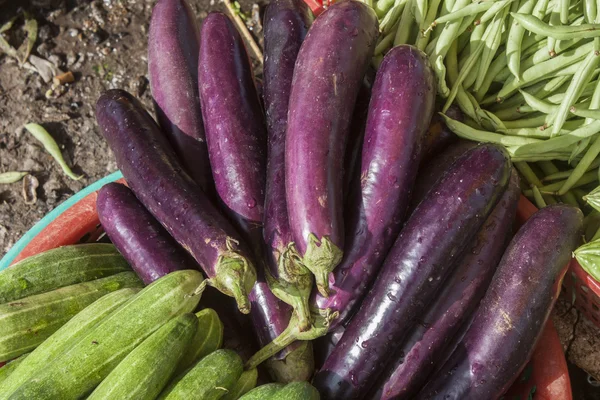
{"x": 58, "y": 268}
{"x": 263, "y": 392}
{"x": 246, "y": 383}
{"x": 78, "y": 371}
{"x": 208, "y": 338}
{"x": 145, "y": 372}
{"x": 7, "y": 370}
{"x": 297, "y": 391}
{"x": 65, "y": 338}
{"x": 27, "y": 322}
{"x": 210, "y": 379}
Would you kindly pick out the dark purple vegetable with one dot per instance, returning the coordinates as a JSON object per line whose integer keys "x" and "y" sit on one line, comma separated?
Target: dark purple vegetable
{"x": 452, "y": 307}
{"x": 138, "y": 236}
{"x": 439, "y": 136}
{"x": 418, "y": 263}
{"x": 401, "y": 106}
{"x": 328, "y": 73}
{"x": 173, "y": 73}
{"x": 324, "y": 345}
{"x": 431, "y": 172}
{"x": 515, "y": 309}
{"x": 152, "y": 171}
{"x": 285, "y": 25}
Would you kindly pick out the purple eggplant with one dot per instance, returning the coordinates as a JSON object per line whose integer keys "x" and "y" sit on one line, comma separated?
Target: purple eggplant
{"x": 286, "y": 23}
{"x": 401, "y": 106}
{"x": 452, "y": 307}
{"x": 138, "y": 236}
{"x": 173, "y": 71}
{"x": 439, "y": 136}
{"x": 514, "y": 311}
{"x": 422, "y": 257}
{"x": 434, "y": 169}
{"x": 153, "y": 172}
{"x": 329, "y": 70}
{"x": 236, "y": 139}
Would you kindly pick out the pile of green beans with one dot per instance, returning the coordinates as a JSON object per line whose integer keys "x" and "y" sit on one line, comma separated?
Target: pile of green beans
{"x": 526, "y": 75}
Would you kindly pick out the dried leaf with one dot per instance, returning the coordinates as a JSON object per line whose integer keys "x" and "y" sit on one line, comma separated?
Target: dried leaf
{"x": 30, "y": 185}
{"x": 8, "y": 24}
{"x": 51, "y": 147}
{"x": 7, "y": 48}
{"x": 11, "y": 177}
{"x": 45, "y": 68}
{"x": 31, "y": 27}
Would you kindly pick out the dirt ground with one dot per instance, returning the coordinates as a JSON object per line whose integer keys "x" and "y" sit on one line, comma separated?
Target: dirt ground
{"x": 103, "y": 43}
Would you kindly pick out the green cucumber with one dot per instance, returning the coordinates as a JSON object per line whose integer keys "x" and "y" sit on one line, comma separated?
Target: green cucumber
{"x": 26, "y": 323}
{"x": 58, "y": 268}
{"x": 210, "y": 379}
{"x": 208, "y": 338}
{"x": 263, "y": 392}
{"x": 145, "y": 372}
{"x": 246, "y": 383}
{"x": 79, "y": 370}
{"x": 297, "y": 391}
{"x": 65, "y": 338}
{"x": 9, "y": 368}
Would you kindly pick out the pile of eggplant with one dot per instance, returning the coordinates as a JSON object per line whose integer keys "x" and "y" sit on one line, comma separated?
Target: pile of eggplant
{"x": 331, "y": 207}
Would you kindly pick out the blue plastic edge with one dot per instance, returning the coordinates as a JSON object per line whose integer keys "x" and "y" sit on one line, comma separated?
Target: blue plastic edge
{"x": 52, "y": 215}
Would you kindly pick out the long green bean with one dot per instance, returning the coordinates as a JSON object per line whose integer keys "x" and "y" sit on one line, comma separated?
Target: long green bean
{"x": 581, "y": 168}
{"x": 515, "y": 38}
{"x": 562, "y": 141}
{"x": 423, "y": 38}
{"x": 491, "y": 46}
{"x": 560, "y": 32}
{"x": 466, "y": 132}
{"x": 548, "y": 168}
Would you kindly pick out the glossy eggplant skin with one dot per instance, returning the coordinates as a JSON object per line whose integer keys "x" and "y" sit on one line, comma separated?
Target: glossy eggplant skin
{"x": 138, "y": 236}
{"x": 455, "y": 303}
{"x": 286, "y": 23}
{"x": 154, "y": 174}
{"x": 420, "y": 260}
{"x": 173, "y": 39}
{"x": 515, "y": 309}
{"x": 439, "y": 136}
{"x": 328, "y": 73}
{"x": 401, "y": 107}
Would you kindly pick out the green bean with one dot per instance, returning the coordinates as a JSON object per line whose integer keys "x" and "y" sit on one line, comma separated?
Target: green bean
{"x": 554, "y": 21}
{"x": 541, "y": 90}
{"x": 376, "y": 61}
{"x": 382, "y": 7}
{"x": 11, "y": 177}
{"x": 585, "y": 179}
{"x": 388, "y": 23}
{"x": 406, "y": 20}
{"x": 535, "y": 25}
{"x": 423, "y": 39}
{"x": 473, "y": 8}
{"x": 51, "y": 147}
{"x": 448, "y": 6}
{"x": 580, "y": 147}
{"x": 582, "y": 167}
{"x": 547, "y": 68}
{"x": 536, "y": 133}
{"x": 515, "y": 38}
{"x": 564, "y": 11}
{"x": 514, "y": 113}
{"x": 558, "y": 97}
{"x": 449, "y": 32}
{"x": 475, "y": 40}
{"x": 495, "y": 9}
{"x": 462, "y": 42}
{"x": 491, "y": 46}
{"x": 590, "y": 10}
{"x": 580, "y": 80}
{"x": 466, "y": 132}
{"x": 537, "y": 198}
{"x": 562, "y": 141}
{"x": 536, "y": 157}
{"x": 462, "y": 99}
{"x": 595, "y": 101}
{"x": 534, "y": 121}
{"x": 385, "y": 43}
{"x": 540, "y": 8}
{"x": 420, "y": 9}
{"x": 565, "y": 174}
{"x": 548, "y": 168}
{"x": 537, "y": 104}
{"x": 487, "y": 119}
{"x": 532, "y": 179}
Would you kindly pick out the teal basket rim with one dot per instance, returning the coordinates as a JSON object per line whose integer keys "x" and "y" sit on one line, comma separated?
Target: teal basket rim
{"x": 52, "y": 215}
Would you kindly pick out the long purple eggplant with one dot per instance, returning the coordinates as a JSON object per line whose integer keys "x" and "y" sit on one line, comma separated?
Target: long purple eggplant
{"x": 422, "y": 257}
{"x": 327, "y": 77}
{"x": 439, "y": 136}
{"x": 514, "y": 310}
{"x": 153, "y": 172}
{"x": 138, "y": 236}
{"x": 401, "y": 106}
{"x": 286, "y": 23}
{"x": 236, "y": 137}
{"x": 173, "y": 73}
{"x": 453, "y": 306}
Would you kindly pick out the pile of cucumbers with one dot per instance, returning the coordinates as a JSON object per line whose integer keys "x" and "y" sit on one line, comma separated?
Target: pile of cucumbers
{"x": 76, "y": 321}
